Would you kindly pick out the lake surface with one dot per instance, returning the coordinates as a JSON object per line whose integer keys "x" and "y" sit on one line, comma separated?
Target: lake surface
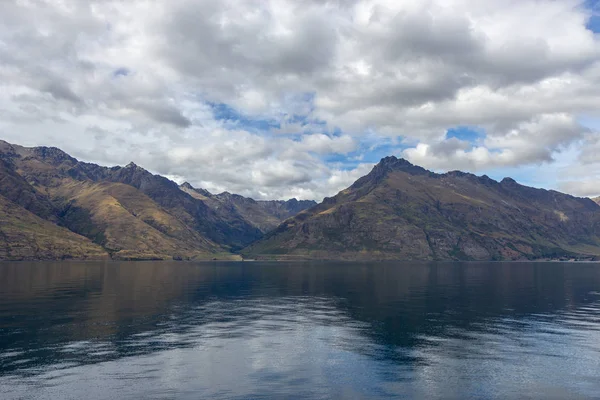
{"x": 293, "y": 330}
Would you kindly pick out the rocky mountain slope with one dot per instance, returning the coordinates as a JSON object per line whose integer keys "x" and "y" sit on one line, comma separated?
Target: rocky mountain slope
{"x": 597, "y": 200}
{"x": 121, "y": 212}
{"x": 402, "y": 211}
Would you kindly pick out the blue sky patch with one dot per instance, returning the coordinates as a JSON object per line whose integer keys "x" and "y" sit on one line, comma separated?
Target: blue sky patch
{"x": 236, "y": 120}
{"x": 233, "y": 119}
{"x": 593, "y": 24}
{"x": 121, "y": 72}
{"x": 592, "y": 123}
{"x": 369, "y": 150}
{"x": 465, "y": 133}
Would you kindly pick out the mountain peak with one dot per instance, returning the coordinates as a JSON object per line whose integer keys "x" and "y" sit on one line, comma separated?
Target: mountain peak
{"x": 400, "y": 211}
{"x": 4, "y": 144}
{"x": 187, "y": 185}
{"x": 136, "y": 168}
{"x": 395, "y": 161}
{"x": 392, "y": 163}
{"x": 225, "y": 193}
{"x": 388, "y": 160}
{"x": 6, "y": 148}
{"x": 53, "y": 154}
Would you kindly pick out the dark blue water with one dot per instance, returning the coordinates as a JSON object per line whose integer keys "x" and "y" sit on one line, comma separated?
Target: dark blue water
{"x": 305, "y": 331}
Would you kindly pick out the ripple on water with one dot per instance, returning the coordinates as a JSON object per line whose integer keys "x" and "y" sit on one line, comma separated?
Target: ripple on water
{"x": 242, "y": 331}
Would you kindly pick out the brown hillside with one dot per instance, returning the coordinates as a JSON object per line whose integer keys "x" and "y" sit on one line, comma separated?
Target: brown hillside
{"x": 25, "y": 236}
{"x": 401, "y": 211}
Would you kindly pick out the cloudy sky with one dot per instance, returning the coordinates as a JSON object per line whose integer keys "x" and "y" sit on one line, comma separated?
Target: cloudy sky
{"x": 282, "y": 98}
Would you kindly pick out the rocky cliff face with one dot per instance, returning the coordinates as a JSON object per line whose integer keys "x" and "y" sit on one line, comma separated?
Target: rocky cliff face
{"x": 402, "y": 211}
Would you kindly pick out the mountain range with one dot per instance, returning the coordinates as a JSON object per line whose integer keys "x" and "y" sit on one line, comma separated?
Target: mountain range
{"x": 402, "y": 211}
{"x": 53, "y": 206}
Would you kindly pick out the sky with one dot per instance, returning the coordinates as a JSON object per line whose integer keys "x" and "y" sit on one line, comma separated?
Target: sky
{"x": 276, "y": 99}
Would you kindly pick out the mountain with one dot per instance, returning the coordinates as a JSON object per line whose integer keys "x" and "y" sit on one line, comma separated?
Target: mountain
{"x": 53, "y": 206}
{"x": 402, "y": 211}
{"x": 597, "y": 200}
{"x": 121, "y": 212}
{"x": 265, "y": 215}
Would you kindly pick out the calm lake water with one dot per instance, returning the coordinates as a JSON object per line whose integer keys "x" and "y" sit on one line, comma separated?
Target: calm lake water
{"x": 292, "y": 330}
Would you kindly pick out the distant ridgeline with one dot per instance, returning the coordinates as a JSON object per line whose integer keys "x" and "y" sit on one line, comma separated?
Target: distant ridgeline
{"x": 53, "y": 206}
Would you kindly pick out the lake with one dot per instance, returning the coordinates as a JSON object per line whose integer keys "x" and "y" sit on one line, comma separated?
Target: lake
{"x": 252, "y": 330}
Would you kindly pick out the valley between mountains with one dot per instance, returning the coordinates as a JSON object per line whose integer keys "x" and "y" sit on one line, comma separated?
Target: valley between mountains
{"x": 53, "y": 206}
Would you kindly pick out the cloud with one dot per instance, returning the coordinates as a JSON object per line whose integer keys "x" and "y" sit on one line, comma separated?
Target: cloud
{"x": 590, "y": 152}
{"x": 585, "y": 188}
{"x": 160, "y": 112}
{"x": 302, "y": 83}
{"x": 531, "y": 142}
{"x": 323, "y": 144}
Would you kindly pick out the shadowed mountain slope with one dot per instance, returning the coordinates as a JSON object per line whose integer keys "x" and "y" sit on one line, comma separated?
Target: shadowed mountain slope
{"x": 265, "y": 215}
{"x": 25, "y": 236}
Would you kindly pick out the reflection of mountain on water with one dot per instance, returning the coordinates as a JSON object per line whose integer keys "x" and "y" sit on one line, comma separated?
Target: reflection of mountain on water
{"x": 92, "y": 312}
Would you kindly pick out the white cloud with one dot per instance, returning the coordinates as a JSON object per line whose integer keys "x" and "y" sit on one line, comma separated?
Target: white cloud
{"x": 586, "y": 188}
{"x": 535, "y": 141}
{"x": 324, "y": 144}
{"x": 113, "y": 81}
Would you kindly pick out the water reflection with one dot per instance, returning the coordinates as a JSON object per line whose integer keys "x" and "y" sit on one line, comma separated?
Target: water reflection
{"x": 317, "y": 330}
